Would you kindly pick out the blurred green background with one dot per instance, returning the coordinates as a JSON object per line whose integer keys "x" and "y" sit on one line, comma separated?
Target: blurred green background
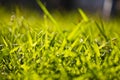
{"x": 105, "y": 8}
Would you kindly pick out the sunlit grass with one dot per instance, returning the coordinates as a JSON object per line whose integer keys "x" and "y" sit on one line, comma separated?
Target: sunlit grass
{"x": 61, "y": 47}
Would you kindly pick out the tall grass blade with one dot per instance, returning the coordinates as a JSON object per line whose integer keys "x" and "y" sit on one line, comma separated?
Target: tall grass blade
{"x": 102, "y": 31}
{"x": 46, "y": 11}
{"x": 85, "y": 18}
{"x": 49, "y": 15}
{"x": 73, "y": 34}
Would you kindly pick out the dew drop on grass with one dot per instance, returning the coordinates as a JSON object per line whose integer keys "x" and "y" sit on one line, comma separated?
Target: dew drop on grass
{"x": 81, "y": 40}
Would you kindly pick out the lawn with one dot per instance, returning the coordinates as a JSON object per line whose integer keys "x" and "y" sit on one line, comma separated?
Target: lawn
{"x": 55, "y": 46}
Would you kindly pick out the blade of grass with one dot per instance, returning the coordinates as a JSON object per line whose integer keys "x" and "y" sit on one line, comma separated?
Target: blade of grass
{"x": 73, "y": 34}
{"x": 74, "y": 43}
{"x": 5, "y": 42}
{"x": 46, "y": 41}
{"x": 96, "y": 49}
{"x": 63, "y": 45}
{"x": 30, "y": 41}
{"x": 102, "y": 31}
{"x": 14, "y": 49}
{"x": 49, "y": 15}
{"x": 46, "y": 32}
{"x": 85, "y": 18}
{"x": 46, "y": 11}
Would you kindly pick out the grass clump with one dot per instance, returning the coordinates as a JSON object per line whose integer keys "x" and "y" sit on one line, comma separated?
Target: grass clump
{"x": 36, "y": 49}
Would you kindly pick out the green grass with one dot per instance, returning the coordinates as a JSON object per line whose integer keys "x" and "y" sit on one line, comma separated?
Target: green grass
{"x": 60, "y": 47}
